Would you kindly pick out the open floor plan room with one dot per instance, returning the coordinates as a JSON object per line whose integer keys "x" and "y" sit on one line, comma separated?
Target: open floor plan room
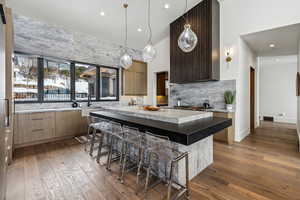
{"x": 150, "y": 100}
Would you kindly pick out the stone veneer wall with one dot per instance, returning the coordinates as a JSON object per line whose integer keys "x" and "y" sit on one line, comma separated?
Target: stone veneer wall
{"x": 196, "y": 93}
{"x": 36, "y": 37}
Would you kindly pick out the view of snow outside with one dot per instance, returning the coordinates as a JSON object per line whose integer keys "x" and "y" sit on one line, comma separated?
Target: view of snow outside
{"x": 57, "y": 80}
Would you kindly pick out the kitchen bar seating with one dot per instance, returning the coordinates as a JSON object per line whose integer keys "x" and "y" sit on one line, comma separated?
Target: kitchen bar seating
{"x": 142, "y": 151}
{"x": 160, "y": 151}
{"x": 95, "y": 125}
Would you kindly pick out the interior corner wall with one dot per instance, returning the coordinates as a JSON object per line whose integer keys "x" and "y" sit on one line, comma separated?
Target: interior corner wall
{"x": 298, "y": 101}
{"x": 247, "y": 59}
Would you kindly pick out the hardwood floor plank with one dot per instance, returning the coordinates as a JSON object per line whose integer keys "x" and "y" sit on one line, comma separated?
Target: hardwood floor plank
{"x": 264, "y": 166}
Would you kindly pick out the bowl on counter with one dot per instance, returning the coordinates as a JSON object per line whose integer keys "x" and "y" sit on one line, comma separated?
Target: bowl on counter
{"x": 151, "y": 108}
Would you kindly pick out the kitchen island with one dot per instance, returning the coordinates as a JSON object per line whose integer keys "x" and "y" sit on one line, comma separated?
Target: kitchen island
{"x": 194, "y": 136}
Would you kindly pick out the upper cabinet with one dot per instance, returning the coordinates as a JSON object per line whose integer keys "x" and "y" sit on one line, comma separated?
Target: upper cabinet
{"x": 135, "y": 79}
{"x": 203, "y": 63}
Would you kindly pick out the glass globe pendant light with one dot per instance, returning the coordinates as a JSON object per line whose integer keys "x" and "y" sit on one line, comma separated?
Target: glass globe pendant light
{"x": 126, "y": 59}
{"x": 187, "y": 40}
{"x": 149, "y": 52}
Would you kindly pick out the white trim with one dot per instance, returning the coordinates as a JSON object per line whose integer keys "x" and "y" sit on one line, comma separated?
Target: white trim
{"x": 285, "y": 120}
{"x": 242, "y": 135}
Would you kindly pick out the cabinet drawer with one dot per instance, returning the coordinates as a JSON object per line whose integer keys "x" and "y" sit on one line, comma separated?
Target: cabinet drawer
{"x": 33, "y": 127}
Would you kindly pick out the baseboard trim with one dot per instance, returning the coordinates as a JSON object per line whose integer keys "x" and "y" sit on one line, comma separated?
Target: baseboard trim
{"x": 285, "y": 120}
{"x": 17, "y": 146}
{"x": 242, "y": 135}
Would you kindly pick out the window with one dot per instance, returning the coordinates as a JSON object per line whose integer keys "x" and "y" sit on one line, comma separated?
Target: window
{"x": 42, "y": 79}
{"x": 85, "y": 82}
{"x": 108, "y": 83}
{"x": 25, "y": 78}
{"x": 57, "y": 81}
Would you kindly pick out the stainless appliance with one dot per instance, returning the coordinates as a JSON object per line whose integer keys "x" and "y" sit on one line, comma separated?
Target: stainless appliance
{"x": 5, "y": 103}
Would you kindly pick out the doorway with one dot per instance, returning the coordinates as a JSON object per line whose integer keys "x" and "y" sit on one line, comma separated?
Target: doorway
{"x": 252, "y": 99}
{"x": 162, "y": 89}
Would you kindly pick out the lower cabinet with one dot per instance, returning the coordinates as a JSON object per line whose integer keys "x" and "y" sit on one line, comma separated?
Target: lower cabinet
{"x": 227, "y": 135}
{"x": 69, "y": 123}
{"x": 33, "y": 128}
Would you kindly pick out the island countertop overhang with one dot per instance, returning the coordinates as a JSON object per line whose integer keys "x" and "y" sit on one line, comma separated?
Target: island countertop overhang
{"x": 186, "y": 134}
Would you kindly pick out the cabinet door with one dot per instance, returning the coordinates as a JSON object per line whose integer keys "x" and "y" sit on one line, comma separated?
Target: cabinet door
{"x": 141, "y": 79}
{"x": 69, "y": 123}
{"x": 135, "y": 79}
{"x": 31, "y": 127}
{"x": 129, "y": 83}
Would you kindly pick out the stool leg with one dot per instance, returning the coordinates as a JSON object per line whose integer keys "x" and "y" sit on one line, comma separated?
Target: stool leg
{"x": 124, "y": 163}
{"x": 170, "y": 181}
{"x": 100, "y": 148}
{"x": 110, "y": 153}
{"x": 139, "y": 170}
{"x": 92, "y": 142}
{"x": 147, "y": 176}
{"x": 187, "y": 176}
{"x": 87, "y": 137}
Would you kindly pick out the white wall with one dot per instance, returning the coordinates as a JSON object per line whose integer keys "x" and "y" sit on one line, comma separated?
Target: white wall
{"x": 247, "y": 59}
{"x": 298, "y": 100}
{"x": 159, "y": 64}
{"x": 239, "y": 17}
{"x": 277, "y": 88}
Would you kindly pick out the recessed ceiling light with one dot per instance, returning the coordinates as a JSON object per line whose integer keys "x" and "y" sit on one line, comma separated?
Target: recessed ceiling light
{"x": 139, "y": 30}
{"x": 272, "y": 45}
{"x": 102, "y": 13}
{"x": 166, "y": 6}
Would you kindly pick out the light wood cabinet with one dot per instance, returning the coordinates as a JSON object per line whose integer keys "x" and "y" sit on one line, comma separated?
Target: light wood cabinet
{"x": 135, "y": 79}
{"x": 69, "y": 123}
{"x": 33, "y": 128}
{"x": 227, "y": 135}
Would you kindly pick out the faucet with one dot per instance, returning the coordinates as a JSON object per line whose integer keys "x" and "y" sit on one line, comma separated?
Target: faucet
{"x": 89, "y": 101}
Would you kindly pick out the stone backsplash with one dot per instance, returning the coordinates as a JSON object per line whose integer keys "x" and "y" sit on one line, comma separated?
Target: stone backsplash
{"x": 197, "y": 93}
{"x": 41, "y": 106}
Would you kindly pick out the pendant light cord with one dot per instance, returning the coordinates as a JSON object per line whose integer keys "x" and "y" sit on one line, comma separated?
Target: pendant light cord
{"x": 125, "y": 5}
{"x": 185, "y": 15}
{"x": 149, "y": 24}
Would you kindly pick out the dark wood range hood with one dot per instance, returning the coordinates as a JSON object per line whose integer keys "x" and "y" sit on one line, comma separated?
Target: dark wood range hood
{"x": 203, "y": 63}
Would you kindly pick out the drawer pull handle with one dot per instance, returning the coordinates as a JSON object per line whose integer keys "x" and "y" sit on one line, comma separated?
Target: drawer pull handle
{"x": 37, "y": 119}
{"x": 37, "y": 130}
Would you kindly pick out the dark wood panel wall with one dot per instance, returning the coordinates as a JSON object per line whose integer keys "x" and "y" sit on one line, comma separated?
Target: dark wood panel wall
{"x": 203, "y": 63}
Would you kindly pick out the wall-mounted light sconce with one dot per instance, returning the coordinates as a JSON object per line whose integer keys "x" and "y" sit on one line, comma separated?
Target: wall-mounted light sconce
{"x": 228, "y": 54}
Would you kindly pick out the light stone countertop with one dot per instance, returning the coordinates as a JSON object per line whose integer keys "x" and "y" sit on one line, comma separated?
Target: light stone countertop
{"x": 46, "y": 110}
{"x": 166, "y": 115}
{"x": 220, "y": 110}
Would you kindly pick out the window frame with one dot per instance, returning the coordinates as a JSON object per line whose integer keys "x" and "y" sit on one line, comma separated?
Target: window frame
{"x": 40, "y": 78}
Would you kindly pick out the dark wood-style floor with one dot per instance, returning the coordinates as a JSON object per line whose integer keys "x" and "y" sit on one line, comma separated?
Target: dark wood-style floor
{"x": 266, "y": 165}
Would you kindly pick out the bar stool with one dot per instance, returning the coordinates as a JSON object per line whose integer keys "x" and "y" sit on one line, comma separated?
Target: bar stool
{"x": 159, "y": 149}
{"x": 132, "y": 140}
{"x": 95, "y": 126}
{"x": 92, "y": 121}
{"x": 116, "y": 143}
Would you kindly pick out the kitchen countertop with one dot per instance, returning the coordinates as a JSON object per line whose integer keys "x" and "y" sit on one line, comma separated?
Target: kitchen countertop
{"x": 46, "y": 110}
{"x": 220, "y": 110}
{"x": 186, "y": 133}
{"x": 165, "y": 115}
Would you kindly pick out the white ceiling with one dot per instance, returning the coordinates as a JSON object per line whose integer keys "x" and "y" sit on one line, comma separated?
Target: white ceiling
{"x": 84, "y": 16}
{"x": 285, "y": 39}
